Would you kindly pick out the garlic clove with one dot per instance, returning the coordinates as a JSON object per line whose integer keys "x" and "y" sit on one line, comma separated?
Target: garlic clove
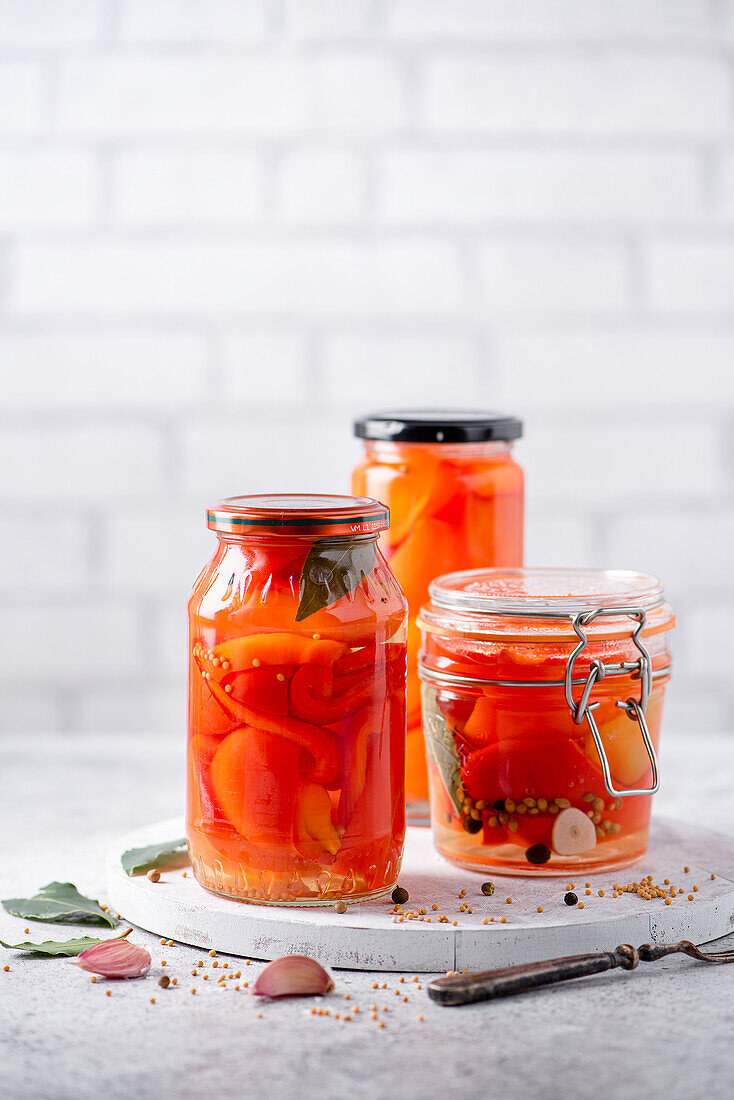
{"x": 115, "y": 959}
{"x": 573, "y": 833}
{"x": 292, "y": 976}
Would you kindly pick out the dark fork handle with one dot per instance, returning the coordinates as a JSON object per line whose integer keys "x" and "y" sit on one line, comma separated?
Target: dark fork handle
{"x": 461, "y": 989}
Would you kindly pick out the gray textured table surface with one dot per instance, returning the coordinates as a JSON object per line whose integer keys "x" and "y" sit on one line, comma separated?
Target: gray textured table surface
{"x": 664, "y": 1030}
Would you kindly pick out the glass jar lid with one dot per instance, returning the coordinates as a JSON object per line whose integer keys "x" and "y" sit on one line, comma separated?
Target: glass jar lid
{"x": 297, "y": 514}
{"x": 438, "y": 426}
{"x": 538, "y": 603}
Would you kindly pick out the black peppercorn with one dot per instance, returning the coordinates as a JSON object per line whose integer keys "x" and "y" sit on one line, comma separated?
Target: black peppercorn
{"x": 471, "y": 824}
{"x": 400, "y": 895}
{"x": 570, "y": 898}
{"x": 499, "y": 805}
{"x": 488, "y": 888}
{"x": 538, "y": 853}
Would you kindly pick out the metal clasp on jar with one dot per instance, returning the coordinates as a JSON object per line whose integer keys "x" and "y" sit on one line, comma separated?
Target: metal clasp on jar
{"x": 634, "y": 708}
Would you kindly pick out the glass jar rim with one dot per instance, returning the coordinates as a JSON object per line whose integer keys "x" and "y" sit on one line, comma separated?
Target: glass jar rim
{"x": 545, "y": 592}
{"x": 534, "y": 603}
{"x": 321, "y": 514}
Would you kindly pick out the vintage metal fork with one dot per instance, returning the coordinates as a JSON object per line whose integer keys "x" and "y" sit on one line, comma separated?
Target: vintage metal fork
{"x": 461, "y": 989}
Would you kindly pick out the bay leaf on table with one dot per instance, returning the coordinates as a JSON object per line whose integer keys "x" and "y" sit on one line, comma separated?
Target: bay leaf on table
{"x": 59, "y": 903}
{"x": 57, "y": 948}
{"x": 332, "y": 570}
{"x": 162, "y": 857}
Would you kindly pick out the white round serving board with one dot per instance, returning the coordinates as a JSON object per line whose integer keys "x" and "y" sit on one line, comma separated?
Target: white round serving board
{"x": 365, "y": 937}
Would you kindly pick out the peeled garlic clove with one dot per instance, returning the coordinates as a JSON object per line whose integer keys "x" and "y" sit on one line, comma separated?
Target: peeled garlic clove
{"x": 573, "y": 833}
{"x": 292, "y": 976}
{"x": 115, "y": 959}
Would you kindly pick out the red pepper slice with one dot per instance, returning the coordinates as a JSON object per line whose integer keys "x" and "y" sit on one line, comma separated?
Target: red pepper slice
{"x": 203, "y": 810}
{"x": 309, "y": 701}
{"x": 551, "y": 768}
{"x": 210, "y": 717}
{"x": 313, "y": 829}
{"x": 353, "y": 743}
{"x": 455, "y": 710}
{"x": 320, "y": 744}
{"x": 255, "y": 776}
{"x": 263, "y": 688}
{"x": 368, "y": 656}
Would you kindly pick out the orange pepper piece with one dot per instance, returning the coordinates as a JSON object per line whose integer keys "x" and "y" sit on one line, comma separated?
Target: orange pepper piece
{"x": 254, "y": 776}
{"x": 253, "y": 650}
{"x": 314, "y": 833}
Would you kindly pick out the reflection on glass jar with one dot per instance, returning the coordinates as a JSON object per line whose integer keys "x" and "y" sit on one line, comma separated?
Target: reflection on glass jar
{"x": 296, "y": 750}
{"x": 455, "y": 495}
{"x": 542, "y": 703}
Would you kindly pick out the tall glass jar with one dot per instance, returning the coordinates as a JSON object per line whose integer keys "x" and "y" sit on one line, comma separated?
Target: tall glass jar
{"x": 542, "y": 702}
{"x": 297, "y": 665}
{"x": 456, "y": 498}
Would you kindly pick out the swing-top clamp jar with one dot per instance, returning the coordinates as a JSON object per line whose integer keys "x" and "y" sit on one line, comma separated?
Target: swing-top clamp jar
{"x": 557, "y": 777}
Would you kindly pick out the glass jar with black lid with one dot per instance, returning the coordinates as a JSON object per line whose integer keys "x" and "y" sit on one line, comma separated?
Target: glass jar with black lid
{"x": 456, "y": 500}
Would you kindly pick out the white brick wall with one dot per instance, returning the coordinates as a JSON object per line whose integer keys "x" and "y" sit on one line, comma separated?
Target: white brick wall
{"x": 226, "y": 228}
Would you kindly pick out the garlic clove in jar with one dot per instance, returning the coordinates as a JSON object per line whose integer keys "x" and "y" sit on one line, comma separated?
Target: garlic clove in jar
{"x": 573, "y": 833}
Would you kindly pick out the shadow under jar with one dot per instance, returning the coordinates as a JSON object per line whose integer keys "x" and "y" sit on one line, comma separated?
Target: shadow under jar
{"x": 542, "y": 702}
{"x": 455, "y": 494}
{"x": 297, "y": 666}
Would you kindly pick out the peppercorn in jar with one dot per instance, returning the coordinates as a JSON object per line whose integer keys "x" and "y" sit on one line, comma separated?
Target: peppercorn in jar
{"x": 297, "y": 666}
{"x": 455, "y": 495}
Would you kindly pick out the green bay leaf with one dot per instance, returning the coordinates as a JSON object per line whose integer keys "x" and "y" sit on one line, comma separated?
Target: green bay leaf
{"x": 59, "y": 903}
{"x": 331, "y": 570}
{"x": 57, "y": 948}
{"x": 167, "y": 856}
{"x": 441, "y": 747}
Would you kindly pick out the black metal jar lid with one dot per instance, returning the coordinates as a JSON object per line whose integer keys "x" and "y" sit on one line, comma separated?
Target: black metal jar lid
{"x": 438, "y": 426}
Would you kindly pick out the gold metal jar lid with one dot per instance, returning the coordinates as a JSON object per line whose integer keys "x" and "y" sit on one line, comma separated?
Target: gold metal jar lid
{"x": 298, "y": 514}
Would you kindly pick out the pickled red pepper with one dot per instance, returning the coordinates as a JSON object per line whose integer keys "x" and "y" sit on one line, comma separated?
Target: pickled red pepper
{"x": 296, "y": 750}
